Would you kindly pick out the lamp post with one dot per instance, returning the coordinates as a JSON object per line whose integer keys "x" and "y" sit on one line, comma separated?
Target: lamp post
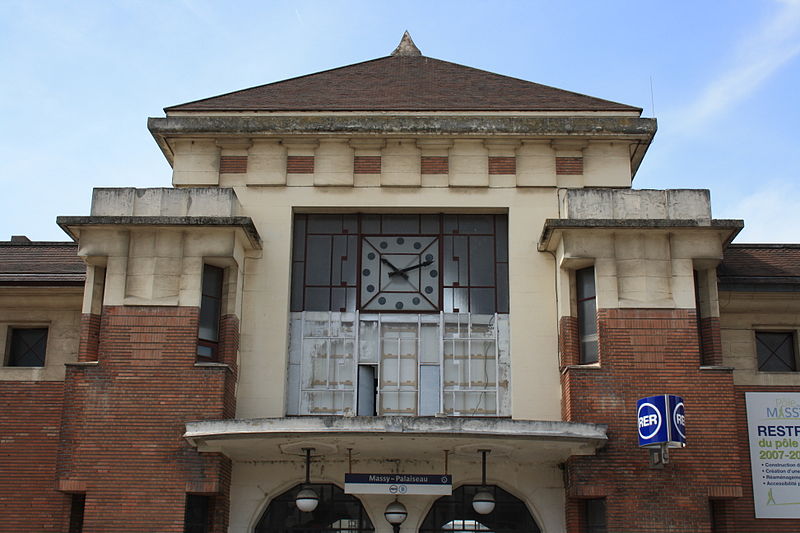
{"x": 395, "y": 514}
{"x": 307, "y": 500}
{"x": 483, "y": 501}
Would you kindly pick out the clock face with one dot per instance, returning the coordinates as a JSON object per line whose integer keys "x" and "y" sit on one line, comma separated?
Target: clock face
{"x": 400, "y": 273}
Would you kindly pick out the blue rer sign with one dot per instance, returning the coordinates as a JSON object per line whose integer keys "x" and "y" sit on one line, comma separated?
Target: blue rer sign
{"x": 661, "y": 420}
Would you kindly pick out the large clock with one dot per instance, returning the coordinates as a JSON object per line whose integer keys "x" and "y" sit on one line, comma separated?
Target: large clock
{"x": 400, "y": 273}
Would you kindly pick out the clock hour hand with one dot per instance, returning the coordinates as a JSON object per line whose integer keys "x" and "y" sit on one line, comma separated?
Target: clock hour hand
{"x": 402, "y": 271}
{"x": 395, "y": 270}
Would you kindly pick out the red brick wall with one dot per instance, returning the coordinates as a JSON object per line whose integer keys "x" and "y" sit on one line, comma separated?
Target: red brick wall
{"x": 644, "y": 353}
{"x": 569, "y": 165}
{"x": 569, "y": 345}
{"x": 430, "y": 164}
{"x": 29, "y": 431}
{"x": 711, "y": 340}
{"x": 89, "y": 337}
{"x": 124, "y": 417}
{"x": 233, "y": 164}
{"x": 502, "y": 165}
{"x": 300, "y": 164}
{"x": 367, "y": 164}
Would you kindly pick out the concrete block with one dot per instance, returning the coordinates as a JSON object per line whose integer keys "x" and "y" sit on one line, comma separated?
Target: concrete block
{"x": 469, "y": 164}
{"x": 333, "y": 164}
{"x": 195, "y": 162}
{"x": 607, "y": 164}
{"x": 400, "y": 165}
{"x": 266, "y": 162}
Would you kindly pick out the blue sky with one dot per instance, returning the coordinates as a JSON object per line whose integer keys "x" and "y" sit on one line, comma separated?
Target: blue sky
{"x": 80, "y": 78}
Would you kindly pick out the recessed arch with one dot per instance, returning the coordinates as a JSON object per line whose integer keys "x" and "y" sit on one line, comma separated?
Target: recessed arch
{"x": 336, "y": 512}
{"x": 454, "y": 513}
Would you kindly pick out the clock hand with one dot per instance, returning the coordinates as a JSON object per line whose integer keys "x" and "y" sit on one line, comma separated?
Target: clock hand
{"x": 394, "y": 268}
{"x": 407, "y": 269}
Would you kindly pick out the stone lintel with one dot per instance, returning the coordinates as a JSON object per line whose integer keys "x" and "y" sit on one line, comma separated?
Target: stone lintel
{"x": 555, "y": 225}
{"x": 71, "y": 224}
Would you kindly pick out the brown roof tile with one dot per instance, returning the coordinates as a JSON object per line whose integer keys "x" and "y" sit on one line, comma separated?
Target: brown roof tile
{"x": 403, "y": 83}
{"x": 37, "y": 263}
{"x": 749, "y": 266}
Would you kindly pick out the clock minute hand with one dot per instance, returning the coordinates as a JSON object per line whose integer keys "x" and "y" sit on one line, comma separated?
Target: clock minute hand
{"x": 407, "y": 269}
{"x": 395, "y": 270}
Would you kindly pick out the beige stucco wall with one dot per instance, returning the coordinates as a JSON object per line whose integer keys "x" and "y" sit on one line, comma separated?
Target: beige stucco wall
{"x": 744, "y": 313}
{"x": 59, "y": 310}
{"x": 535, "y": 383}
{"x": 254, "y": 484}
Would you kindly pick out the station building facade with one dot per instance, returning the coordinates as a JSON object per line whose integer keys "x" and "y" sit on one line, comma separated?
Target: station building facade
{"x": 401, "y": 267}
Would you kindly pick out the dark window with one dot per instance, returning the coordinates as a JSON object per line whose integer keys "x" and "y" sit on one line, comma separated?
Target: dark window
{"x": 587, "y": 314}
{"x": 594, "y": 516}
{"x": 455, "y": 513}
{"x": 196, "y": 517}
{"x": 210, "y": 310}
{"x": 472, "y": 276}
{"x": 698, "y": 315}
{"x": 775, "y": 350}
{"x": 76, "y": 507}
{"x": 716, "y": 510}
{"x": 27, "y": 346}
{"x": 336, "y": 512}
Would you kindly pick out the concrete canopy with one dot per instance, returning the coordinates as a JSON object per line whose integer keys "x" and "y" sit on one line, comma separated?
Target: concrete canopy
{"x": 396, "y": 437}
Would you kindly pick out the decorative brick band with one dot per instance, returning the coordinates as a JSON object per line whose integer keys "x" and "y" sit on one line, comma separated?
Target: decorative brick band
{"x": 435, "y": 164}
{"x": 502, "y": 165}
{"x": 367, "y": 164}
{"x": 300, "y": 164}
{"x": 233, "y": 164}
{"x": 569, "y": 165}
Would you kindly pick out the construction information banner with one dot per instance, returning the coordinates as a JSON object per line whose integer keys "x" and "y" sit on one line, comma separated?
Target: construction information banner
{"x": 773, "y": 424}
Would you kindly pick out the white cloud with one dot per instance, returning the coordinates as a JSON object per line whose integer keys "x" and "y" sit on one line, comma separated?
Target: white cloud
{"x": 771, "y": 46}
{"x": 770, "y": 214}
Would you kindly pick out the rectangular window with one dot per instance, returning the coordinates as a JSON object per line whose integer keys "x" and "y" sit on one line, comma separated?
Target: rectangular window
{"x": 197, "y": 516}
{"x": 587, "y": 314}
{"x": 76, "y": 509}
{"x": 776, "y": 351}
{"x": 594, "y": 516}
{"x": 210, "y": 312}
{"x": 27, "y": 347}
{"x": 398, "y": 364}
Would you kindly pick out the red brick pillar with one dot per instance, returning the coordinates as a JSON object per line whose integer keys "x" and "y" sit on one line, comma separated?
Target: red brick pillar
{"x": 644, "y": 352}
{"x": 124, "y": 419}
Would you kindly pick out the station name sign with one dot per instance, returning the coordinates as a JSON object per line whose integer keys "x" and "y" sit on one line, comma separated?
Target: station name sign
{"x": 398, "y": 484}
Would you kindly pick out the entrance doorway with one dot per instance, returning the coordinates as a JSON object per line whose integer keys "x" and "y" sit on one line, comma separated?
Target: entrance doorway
{"x": 454, "y": 513}
{"x": 337, "y": 512}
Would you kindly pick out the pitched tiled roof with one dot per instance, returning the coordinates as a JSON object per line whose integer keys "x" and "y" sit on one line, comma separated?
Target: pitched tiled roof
{"x": 760, "y": 264}
{"x": 41, "y": 263}
{"x": 403, "y": 83}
